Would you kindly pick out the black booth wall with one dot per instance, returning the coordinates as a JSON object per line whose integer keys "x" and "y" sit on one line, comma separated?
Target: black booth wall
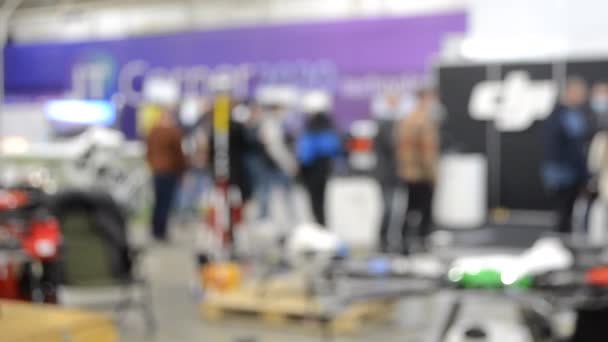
{"x": 521, "y": 154}
{"x": 514, "y": 158}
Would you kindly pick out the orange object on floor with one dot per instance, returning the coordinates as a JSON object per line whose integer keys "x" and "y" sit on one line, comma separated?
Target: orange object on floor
{"x": 221, "y": 276}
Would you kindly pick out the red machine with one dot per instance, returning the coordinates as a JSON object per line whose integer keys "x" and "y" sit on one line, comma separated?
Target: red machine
{"x": 30, "y": 239}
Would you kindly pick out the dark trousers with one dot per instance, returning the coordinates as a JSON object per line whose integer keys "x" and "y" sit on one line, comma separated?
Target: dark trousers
{"x": 564, "y": 206}
{"x": 316, "y": 186}
{"x": 165, "y": 185}
{"x": 420, "y": 199}
{"x": 590, "y": 325}
{"x": 315, "y": 179}
{"x": 388, "y": 190}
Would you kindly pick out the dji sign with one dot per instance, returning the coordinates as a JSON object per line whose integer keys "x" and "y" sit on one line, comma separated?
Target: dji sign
{"x": 514, "y": 103}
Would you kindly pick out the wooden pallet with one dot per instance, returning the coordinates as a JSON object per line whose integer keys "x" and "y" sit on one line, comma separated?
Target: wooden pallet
{"x": 287, "y": 308}
{"x": 49, "y": 323}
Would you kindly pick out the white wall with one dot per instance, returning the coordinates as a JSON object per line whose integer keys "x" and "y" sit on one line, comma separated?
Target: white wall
{"x": 538, "y": 29}
{"x": 15, "y": 115}
{"x": 123, "y": 18}
{"x": 498, "y": 29}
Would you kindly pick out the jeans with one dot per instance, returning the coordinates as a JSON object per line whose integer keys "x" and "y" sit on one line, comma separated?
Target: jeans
{"x": 264, "y": 178}
{"x": 165, "y": 185}
{"x": 192, "y": 189}
{"x": 271, "y": 179}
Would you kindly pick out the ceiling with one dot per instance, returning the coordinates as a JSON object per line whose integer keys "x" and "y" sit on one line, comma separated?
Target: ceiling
{"x": 77, "y": 20}
{"x": 41, "y": 4}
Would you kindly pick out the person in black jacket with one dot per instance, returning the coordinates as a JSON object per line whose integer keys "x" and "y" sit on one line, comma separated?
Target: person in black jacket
{"x": 385, "y": 113}
{"x": 239, "y": 147}
{"x": 567, "y": 134}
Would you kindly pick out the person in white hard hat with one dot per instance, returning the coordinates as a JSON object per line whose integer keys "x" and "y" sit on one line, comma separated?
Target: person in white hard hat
{"x": 195, "y": 115}
{"x": 279, "y": 165}
{"x": 316, "y": 148}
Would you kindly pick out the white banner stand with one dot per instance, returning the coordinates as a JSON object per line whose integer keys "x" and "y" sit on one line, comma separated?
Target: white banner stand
{"x": 460, "y": 200}
{"x": 354, "y": 209}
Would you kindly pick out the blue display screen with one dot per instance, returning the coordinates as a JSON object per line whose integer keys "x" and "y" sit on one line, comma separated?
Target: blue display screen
{"x": 81, "y": 112}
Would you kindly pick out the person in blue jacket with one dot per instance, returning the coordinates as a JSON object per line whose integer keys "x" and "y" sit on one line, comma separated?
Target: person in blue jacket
{"x": 567, "y": 134}
{"x": 316, "y": 147}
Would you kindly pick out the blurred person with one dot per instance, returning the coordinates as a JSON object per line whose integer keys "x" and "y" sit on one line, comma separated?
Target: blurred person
{"x": 254, "y": 158}
{"x": 566, "y": 135}
{"x": 599, "y": 106}
{"x": 598, "y": 149}
{"x": 417, "y": 155}
{"x": 198, "y": 178}
{"x": 316, "y": 148}
{"x": 238, "y": 149}
{"x": 167, "y": 163}
{"x": 279, "y": 165}
{"x": 385, "y": 115}
{"x": 293, "y": 121}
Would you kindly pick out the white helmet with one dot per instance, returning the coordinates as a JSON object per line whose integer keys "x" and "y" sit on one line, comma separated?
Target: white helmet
{"x": 316, "y": 101}
{"x": 276, "y": 95}
{"x": 221, "y": 82}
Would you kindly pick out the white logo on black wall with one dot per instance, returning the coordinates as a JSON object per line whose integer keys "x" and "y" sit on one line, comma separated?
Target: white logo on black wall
{"x": 514, "y": 103}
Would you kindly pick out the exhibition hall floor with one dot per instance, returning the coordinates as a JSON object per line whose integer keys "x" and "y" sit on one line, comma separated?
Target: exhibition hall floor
{"x": 172, "y": 274}
{"x": 179, "y": 318}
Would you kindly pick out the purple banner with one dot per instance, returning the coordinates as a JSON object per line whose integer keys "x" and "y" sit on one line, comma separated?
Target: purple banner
{"x": 352, "y": 59}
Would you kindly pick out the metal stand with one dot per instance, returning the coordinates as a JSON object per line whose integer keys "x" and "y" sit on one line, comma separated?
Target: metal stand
{"x": 327, "y": 335}
{"x": 451, "y": 317}
{"x": 6, "y": 11}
